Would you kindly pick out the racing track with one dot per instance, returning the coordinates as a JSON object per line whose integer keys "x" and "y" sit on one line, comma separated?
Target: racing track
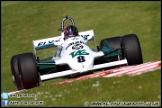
{"x": 126, "y": 70}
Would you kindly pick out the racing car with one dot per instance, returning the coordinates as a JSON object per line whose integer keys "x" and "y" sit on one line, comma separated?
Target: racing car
{"x": 73, "y": 56}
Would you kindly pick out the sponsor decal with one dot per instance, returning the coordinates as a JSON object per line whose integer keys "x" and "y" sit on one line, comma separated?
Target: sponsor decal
{"x": 77, "y": 47}
{"x": 79, "y": 52}
{"x": 74, "y": 43}
{"x": 58, "y": 40}
{"x": 46, "y": 42}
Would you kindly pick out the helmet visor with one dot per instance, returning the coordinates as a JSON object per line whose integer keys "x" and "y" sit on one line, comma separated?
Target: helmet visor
{"x": 69, "y": 34}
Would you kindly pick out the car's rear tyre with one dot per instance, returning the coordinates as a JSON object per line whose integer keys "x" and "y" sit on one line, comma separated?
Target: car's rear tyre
{"x": 16, "y": 73}
{"x": 28, "y": 70}
{"x": 132, "y": 49}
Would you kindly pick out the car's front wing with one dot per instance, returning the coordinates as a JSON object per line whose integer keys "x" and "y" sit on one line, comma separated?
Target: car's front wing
{"x": 69, "y": 72}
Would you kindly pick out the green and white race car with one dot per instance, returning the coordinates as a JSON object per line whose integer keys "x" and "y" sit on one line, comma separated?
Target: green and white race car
{"x": 73, "y": 56}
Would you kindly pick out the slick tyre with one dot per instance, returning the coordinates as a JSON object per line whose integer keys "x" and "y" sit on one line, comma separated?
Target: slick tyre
{"x": 132, "y": 49}
{"x": 16, "y": 73}
{"x": 28, "y": 70}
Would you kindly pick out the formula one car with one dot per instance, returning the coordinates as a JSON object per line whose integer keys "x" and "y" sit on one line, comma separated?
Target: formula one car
{"x": 73, "y": 56}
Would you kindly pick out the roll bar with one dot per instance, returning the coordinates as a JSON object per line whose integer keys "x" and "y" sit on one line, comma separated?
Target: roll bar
{"x": 62, "y": 23}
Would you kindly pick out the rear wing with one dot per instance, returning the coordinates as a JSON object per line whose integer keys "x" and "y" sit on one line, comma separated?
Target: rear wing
{"x": 47, "y": 42}
{"x": 58, "y": 40}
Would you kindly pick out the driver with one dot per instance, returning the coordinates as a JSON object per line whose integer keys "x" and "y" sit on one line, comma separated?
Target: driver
{"x": 70, "y": 31}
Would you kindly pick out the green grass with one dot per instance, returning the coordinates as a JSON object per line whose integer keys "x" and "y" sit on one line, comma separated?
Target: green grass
{"x": 24, "y": 21}
{"x": 125, "y": 88}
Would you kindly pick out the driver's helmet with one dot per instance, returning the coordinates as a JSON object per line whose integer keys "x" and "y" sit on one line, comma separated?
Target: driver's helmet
{"x": 70, "y": 31}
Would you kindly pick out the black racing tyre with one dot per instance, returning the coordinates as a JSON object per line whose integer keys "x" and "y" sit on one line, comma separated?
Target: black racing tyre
{"x": 28, "y": 70}
{"x": 113, "y": 42}
{"x": 132, "y": 49}
{"x": 16, "y": 73}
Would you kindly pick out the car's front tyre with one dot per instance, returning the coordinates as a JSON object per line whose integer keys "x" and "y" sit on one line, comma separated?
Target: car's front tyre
{"x": 16, "y": 73}
{"x": 28, "y": 70}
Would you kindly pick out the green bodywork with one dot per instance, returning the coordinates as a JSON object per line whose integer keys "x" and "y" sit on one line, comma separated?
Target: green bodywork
{"x": 115, "y": 53}
{"x": 106, "y": 49}
{"x": 46, "y": 60}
